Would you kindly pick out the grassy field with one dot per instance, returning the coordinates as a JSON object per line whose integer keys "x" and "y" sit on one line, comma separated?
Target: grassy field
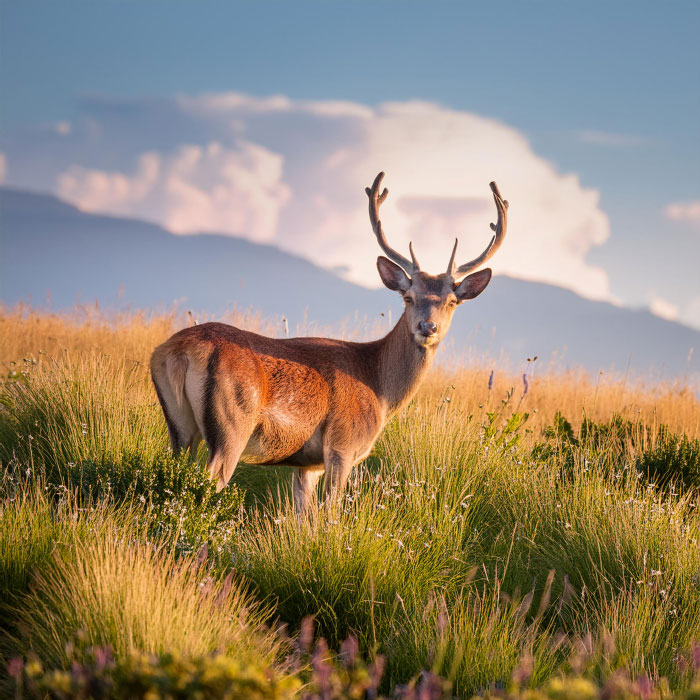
{"x": 508, "y": 533}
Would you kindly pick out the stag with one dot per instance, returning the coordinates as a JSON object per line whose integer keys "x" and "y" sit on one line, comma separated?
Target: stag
{"x": 316, "y": 404}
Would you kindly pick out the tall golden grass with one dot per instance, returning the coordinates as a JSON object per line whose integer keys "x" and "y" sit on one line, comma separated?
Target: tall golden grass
{"x": 32, "y": 338}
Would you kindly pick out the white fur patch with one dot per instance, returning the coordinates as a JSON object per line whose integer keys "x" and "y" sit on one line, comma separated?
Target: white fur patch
{"x": 195, "y": 381}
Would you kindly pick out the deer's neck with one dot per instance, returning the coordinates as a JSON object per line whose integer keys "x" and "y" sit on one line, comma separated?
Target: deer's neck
{"x": 402, "y": 364}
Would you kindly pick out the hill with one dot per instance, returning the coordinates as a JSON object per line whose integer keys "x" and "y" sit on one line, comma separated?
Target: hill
{"x": 51, "y": 250}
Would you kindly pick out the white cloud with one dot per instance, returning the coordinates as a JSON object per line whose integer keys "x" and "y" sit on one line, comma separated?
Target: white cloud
{"x": 684, "y": 211}
{"x": 607, "y": 138}
{"x": 690, "y": 313}
{"x": 663, "y": 308}
{"x": 293, "y": 173}
{"x": 63, "y": 128}
{"x": 209, "y": 188}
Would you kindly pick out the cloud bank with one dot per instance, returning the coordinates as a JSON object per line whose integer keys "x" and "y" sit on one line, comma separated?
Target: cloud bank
{"x": 210, "y": 188}
{"x": 292, "y": 173}
{"x": 684, "y": 211}
{"x": 663, "y": 308}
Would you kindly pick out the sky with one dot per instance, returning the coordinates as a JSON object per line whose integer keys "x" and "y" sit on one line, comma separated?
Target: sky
{"x": 267, "y": 119}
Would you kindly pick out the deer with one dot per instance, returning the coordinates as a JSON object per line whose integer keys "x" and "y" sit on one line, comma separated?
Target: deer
{"x": 315, "y": 404}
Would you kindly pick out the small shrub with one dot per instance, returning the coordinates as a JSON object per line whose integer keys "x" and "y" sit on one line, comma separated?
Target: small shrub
{"x": 674, "y": 458}
{"x": 660, "y": 456}
{"x": 306, "y": 674}
{"x": 100, "y": 676}
{"x": 502, "y": 430}
{"x": 177, "y": 498}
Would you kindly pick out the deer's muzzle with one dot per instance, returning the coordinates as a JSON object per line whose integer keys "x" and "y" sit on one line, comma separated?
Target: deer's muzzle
{"x": 427, "y": 328}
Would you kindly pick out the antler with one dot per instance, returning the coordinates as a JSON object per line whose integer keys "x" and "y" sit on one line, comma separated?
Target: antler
{"x": 493, "y": 246}
{"x": 375, "y": 201}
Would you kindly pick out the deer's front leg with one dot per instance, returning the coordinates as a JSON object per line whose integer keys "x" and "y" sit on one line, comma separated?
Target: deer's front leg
{"x": 338, "y": 468}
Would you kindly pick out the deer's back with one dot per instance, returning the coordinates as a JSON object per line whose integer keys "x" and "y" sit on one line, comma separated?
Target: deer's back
{"x": 291, "y": 387}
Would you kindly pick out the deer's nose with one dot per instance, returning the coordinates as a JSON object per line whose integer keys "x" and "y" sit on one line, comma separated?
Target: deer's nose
{"x": 427, "y": 328}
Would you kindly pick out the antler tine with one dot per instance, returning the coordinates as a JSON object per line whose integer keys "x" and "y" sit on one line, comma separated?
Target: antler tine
{"x": 499, "y": 227}
{"x": 451, "y": 264}
{"x": 375, "y": 200}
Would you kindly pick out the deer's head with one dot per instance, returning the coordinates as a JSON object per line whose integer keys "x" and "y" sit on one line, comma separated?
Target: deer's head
{"x": 430, "y": 300}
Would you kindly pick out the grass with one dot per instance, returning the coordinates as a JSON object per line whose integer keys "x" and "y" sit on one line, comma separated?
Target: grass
{"x": 68, "y": 410}
{"x": 485, "y": 536}
{"x": 131, "y": 595}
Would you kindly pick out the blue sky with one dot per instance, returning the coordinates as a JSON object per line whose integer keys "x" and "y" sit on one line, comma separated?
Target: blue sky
{"x": 607, "y": 92}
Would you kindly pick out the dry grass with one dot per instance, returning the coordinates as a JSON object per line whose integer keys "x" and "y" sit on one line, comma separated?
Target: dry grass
{"x": 96, "y": 576}
{"x": 129, "y": 338}
{"x": 574, "y": 393}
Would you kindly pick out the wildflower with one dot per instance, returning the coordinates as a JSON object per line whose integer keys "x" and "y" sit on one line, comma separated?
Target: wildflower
{"x": 15, "y": 667}
{"x": 525, "y": 384}
{"x": 491, "y": 380}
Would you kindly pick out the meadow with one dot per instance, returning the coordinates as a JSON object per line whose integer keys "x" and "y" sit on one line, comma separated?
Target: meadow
{"x": 530, "y": 534}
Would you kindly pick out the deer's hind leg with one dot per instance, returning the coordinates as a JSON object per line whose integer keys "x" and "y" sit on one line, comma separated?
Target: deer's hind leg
{"x": 179, "y": 417}
{"x": 226, "y": 411}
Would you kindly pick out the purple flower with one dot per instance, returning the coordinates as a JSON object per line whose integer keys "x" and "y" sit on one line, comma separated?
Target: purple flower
{"x": 349, "y": 650}
{"x": 306, "y": 634}
{"x": 525, "y": 384}
{"x": 696, "y": 657}
{"x": 15, "y": 667}
{"x": 491, "y": 380}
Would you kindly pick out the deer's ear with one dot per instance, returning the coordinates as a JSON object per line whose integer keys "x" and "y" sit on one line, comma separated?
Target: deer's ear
{"x": 392, "y": 275}
{"x": 473, "y": 285}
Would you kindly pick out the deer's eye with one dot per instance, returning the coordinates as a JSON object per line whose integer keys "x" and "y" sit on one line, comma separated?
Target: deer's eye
{"x": 408, "y": 300}
{"x": 452, "y": 303}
